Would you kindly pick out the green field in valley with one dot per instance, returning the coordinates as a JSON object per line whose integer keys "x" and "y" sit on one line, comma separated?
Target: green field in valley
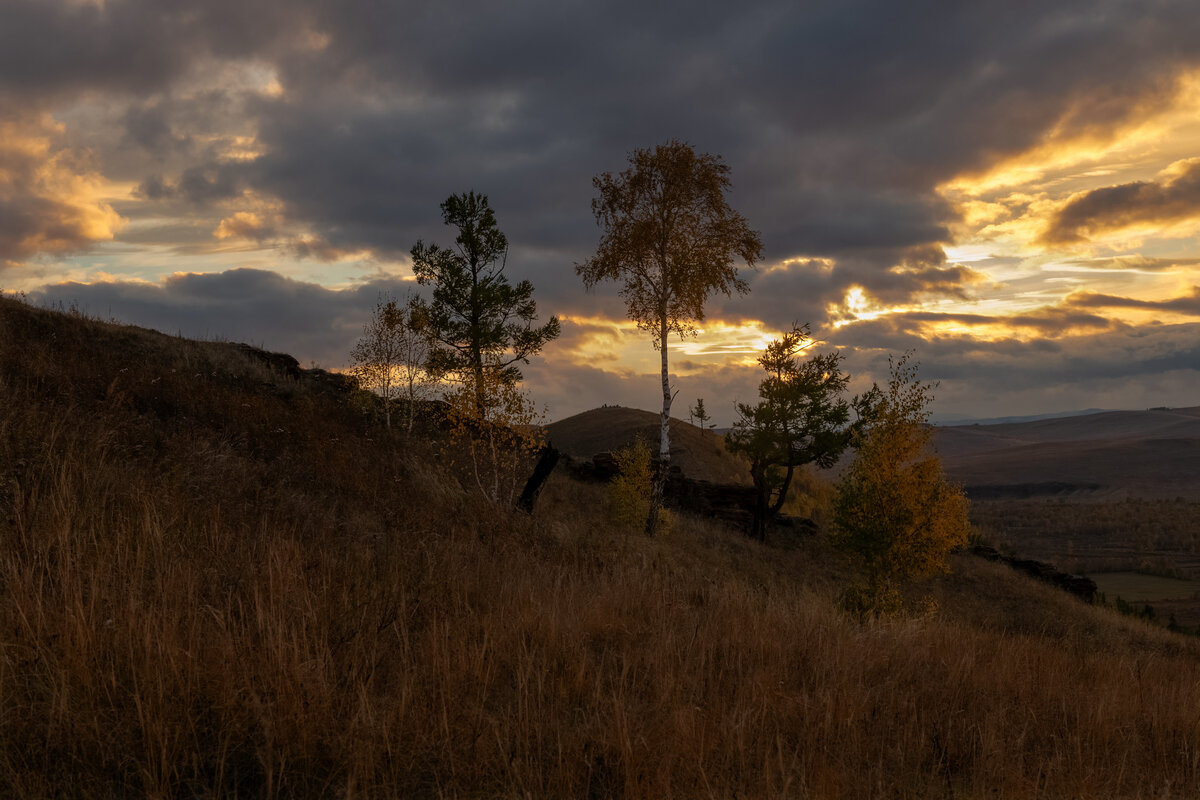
{"x": 1136, "y": 587}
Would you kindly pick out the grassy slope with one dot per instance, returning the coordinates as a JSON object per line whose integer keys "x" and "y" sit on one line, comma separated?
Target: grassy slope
{"x": 216, "y": 581}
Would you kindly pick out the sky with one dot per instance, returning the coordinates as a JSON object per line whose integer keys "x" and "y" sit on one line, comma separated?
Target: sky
{"x": 1009, "y": 188}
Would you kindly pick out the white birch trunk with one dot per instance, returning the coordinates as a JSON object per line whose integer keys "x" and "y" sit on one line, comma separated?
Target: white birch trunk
{"x": 664, "y": 441}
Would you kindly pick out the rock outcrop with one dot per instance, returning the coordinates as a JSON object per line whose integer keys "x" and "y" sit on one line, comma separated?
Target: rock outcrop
{"x": 731, "y": 503}
{"x": 1078, "y": 585}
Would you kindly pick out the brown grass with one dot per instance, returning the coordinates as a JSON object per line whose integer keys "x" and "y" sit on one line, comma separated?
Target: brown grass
{"x": 214, "y": 587}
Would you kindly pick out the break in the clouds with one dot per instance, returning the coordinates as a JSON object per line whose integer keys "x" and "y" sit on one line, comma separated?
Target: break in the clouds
{"x": 995, "y": 172}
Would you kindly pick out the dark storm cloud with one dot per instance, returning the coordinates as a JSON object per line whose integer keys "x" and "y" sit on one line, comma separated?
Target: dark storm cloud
{"x": 53, "y": 51}
{"x": 255, "y": 306}
{"x": 198, "y": 185}
{"x": 1185, "y": 304}
{"x": 838, "y": 119}
{"x": 1117, "y": 207}
{"x": 1116, "y": 367}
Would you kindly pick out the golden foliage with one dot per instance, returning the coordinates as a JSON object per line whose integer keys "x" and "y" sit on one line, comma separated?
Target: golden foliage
{"x": 629, "y": 492}
{"x": 894, "y": 510}
{"x": 389, "y": 359}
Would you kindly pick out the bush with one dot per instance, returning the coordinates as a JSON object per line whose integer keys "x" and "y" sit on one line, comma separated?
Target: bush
{"x": 894, "y": 511}
{"x": 495, "y": 431}
{"x": 629, "y": 492}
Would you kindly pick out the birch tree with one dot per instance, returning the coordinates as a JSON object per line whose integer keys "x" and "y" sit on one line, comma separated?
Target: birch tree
{"x": 389, "y": 359}
{"x": 670, "y": 239}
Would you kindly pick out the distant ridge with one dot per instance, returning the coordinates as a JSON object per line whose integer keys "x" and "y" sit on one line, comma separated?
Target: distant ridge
{"x": 952, "y": 421}
{"x": 1113, "y": 454}
{"x": 1094, "y": 454}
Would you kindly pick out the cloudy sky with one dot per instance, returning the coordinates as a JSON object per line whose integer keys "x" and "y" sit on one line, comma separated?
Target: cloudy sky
{"x": 1009, "y": 187}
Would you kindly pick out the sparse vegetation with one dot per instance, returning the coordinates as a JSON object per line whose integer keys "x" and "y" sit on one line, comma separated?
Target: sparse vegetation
{"x": 391, "y": 356}
{"x": 700, "y": 414}
{"x": 216, "y": 580}
{"x": 494, "y": 430}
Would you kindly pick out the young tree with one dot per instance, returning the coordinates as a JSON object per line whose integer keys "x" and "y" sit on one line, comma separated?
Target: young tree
{"x": 390, "y": 357}
{"x": 801, "y": 418}
{"x": 480, "y": 322}
{"x": 629, "y": 490}
{"x": 671, "y": 239}
{"x": 700, "y": 413}
{"x": 894, "y": 510}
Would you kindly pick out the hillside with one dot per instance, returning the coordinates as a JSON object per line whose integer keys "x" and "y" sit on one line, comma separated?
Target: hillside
{"x": 1113, "y": 454}
{"x": 700, "y": 454}
{"x": 220, "y": 577}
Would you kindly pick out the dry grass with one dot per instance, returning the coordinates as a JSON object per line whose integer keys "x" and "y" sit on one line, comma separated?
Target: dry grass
{"x": 219, "y": 588}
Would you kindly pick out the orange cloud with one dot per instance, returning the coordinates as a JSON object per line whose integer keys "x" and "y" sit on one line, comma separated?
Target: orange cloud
{"x": 51, "y": 201}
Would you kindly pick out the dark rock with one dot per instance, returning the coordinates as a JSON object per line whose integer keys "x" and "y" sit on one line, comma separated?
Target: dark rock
{"x": 1078, "y": 585}
{"x": 336, "y": 382}
{"x": 605, "y": 465}
{"x": 280, "y": 362}
{"x": 730, "y": 503}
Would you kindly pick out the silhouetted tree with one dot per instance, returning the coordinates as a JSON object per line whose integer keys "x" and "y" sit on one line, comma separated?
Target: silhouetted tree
{"x": 671, "y": 239}
{"x": 479, "y": 321}
{"x": 390, "y": 357}
{"x": 801, "y": 418}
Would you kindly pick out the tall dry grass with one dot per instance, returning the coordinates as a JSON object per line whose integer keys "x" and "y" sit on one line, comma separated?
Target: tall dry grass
{"x": 196, "y": 604}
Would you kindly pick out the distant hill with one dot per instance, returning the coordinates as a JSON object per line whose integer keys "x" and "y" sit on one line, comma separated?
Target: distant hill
{"x": 953, "y": 420}
{"x": 700, "y": 454}
{"x": 1108, "y": 454}
{"x": 1153, "y": 453}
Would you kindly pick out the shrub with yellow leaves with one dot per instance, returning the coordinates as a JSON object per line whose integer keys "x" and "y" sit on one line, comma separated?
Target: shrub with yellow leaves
{"x": 894, "y": 510}
{"x": 629, "y": 492}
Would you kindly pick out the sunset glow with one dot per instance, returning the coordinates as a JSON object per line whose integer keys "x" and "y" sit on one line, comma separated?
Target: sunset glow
{"x": 1024, "y": 214}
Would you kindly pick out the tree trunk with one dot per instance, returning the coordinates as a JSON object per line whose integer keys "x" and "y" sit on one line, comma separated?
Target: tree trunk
{"x": 548, "y": 457}
{"x": 664, "y": 441}
{"x": 762, "y": 503}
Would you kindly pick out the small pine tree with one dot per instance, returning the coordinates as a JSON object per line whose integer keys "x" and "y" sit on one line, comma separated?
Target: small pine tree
{"x": 700, "y": 413}
{"x": 894, "y": 510}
